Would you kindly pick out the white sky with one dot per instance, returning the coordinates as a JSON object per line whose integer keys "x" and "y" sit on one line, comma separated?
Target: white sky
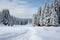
{"x": 19, "y": 8}
{"x": 22, "y": 8}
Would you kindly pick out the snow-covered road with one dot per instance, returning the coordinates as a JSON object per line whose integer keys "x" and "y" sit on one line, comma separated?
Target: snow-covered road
{"x": 29, "y": 33}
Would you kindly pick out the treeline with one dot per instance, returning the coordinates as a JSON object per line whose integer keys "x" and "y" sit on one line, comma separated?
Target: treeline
{"x": 7, "y": 19}
{"x": 49, "y": 15}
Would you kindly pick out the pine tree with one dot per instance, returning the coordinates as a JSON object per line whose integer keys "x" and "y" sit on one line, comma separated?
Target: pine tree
{"x": 34, "y": 20}
{"x": 0, "y": 17}
{"x": 39, "y": 16}
{"x": 49, "y": 15}
{"x": 46, "y": 14}
{"x": 5, "y": 16}
{"x": 54, "y": 15}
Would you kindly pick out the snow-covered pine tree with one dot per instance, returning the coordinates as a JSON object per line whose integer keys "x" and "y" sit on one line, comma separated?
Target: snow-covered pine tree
{"x": 38, "y": 16}
{"x": 42, "y": 16}
{"x": 54, "y": 15}
{"x": 46, "y": 15}
{"x": 49, "y": 15}
{"x": 34, "y": 20}
{"x": 0, "y": 17}
{"x": 5, "y": 16}
{"x": 58, "y": 9}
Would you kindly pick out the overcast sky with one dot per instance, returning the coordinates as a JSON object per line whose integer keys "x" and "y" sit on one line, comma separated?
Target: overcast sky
{"x": 22, "y": 8}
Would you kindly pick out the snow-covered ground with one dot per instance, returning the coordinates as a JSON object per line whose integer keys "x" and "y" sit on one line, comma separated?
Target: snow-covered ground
{"x": 27, "y": 32}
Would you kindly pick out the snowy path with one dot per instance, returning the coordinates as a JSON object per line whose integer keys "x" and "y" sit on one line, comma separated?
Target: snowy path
{"x": 14, "y": 34}
{"x": 33, "y": 35}
{"x": 29, "y": 33}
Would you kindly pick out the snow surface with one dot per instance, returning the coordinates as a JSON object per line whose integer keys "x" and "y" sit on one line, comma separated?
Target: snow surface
{"x": 27, "y": 32}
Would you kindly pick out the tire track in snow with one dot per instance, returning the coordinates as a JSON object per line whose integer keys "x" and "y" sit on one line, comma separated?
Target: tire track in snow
{"x": 33, "y": 35}
{"x": 10, "y": 36}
